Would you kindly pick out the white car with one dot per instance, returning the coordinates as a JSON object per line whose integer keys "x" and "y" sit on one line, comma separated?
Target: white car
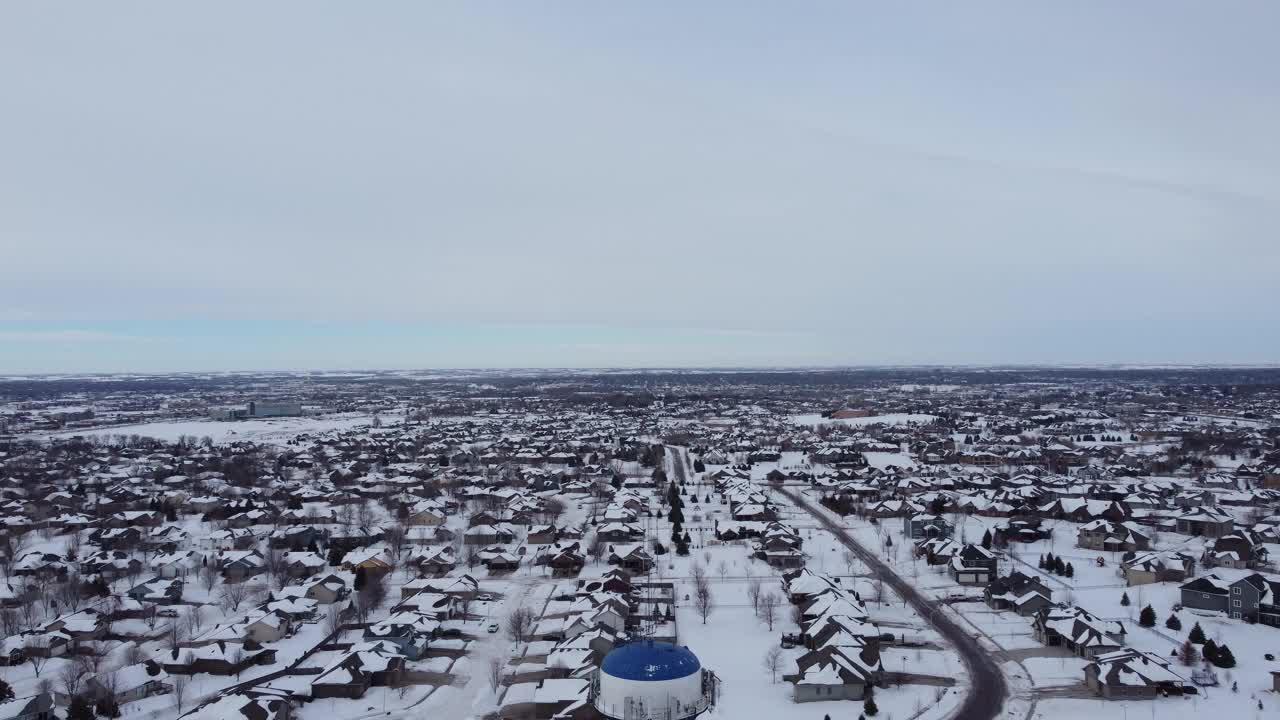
{"x": 484, "y": 597}
{"x": 493, "y": 627}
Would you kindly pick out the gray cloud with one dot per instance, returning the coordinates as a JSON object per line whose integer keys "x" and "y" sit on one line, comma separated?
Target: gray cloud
{"x": 988, "y": 183}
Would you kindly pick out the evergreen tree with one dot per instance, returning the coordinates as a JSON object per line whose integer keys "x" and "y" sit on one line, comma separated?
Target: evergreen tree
{"x": 107, "y": 707}
{"x": 6, "y": 692}
{"x": 676, "y": 516}
{"x": 1196, "y": 635}
{"x": 1059, "y": 567}
{"x": 79, "y": 709}
{"x": 1071, "y": 570}
{"x": 1147, "y": 618}
{"x": 1226, "y": 659}
{"x": 1210, "y": 651}
{"x": 1173, "y": 623}
{"x": 986, "y": 540}
{"x": 362, "y": 579}
{"x": 1124, "y": 599}
{"x": 869, "y": 704}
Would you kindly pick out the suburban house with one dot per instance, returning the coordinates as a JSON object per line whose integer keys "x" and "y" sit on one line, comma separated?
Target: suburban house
{"x": 836, "y": 673}
{"x": 1024, "y": 594}
{"x": 1154, "y": 567}
{"x": 1235, "y": 550}
{"x": 409, "y": 631}
{"x": 1252, "y": 597}
{"x": 1078, "y": 631}
{"x": 1205, "y": 521}
{"x": 158, "y": 591}
{"x": 926, "y": 525}
{"x": 36, "y": 707}
{"x": 972, "y": 565}
{"x": 130, "y": 683}
{"x": 1112, "y": 536}
{"x": 351, "y": 676}
{"x": 1130, "y": 674}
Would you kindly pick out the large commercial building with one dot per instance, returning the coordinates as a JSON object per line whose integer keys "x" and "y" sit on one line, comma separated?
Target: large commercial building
{"x": 259, "y": 410}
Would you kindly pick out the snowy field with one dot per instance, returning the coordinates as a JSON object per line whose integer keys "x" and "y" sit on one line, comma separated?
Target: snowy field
{"x": 270, "y": 430}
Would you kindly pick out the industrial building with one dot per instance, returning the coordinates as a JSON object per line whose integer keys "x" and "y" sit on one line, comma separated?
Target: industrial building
{"x": 257, "y": 409}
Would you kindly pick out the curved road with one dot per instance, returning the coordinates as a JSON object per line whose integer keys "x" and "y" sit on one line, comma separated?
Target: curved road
{"x": 987, "y": 690}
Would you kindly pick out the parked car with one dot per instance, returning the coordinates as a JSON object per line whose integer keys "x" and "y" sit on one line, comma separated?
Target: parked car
{"x": 493, "y": 627}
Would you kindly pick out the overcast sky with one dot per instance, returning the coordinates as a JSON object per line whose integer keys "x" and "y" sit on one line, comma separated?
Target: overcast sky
{"x": 363, "y": 185}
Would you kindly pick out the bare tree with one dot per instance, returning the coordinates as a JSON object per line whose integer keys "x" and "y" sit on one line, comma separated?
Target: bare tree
{"x": 375, "y": 587}
{"x": 233, "y": 595}
{"x": 396, "y": 539}
{"x": 28, "y": 608}
{"x": 496, "y": 673}
{"x": 598, "y": 548}
{"x": 773, "y": 662}
{"x": 208, "y": 577}
{"x": 109, "y": 681}
{"x": 36, "y": 649}
{"x": 519, "y": 624}
{"x": 70, "y": 677}
{"x": 10, "y": 622}
{"x": 237, "y": 659}
{"x": 179, "y": 684}
{"x": 704, "y": 602}
{"x": 277, "y": 567}
{"x": 850, "y": 560}
{"x": 698, "y": 574}
{"x": 769, "y": 603}
{"x": 134, "y": 654}
{"x": 365, "y": 515}
{"x": 11, "y": 548}
{"x": 175, "y": 634}
{"x": 91, "y": 663}
{"x": 70, "y": 592}
{"x": 195, "y": 620}
{"x": 75, "y": 543}
{"x": 722, "y": 569}
{"x": 333, "y": 620}
{"x": 754, "y": 588}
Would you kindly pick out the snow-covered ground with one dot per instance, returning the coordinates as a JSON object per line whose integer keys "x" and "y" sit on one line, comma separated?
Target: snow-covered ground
{"x": 891, "y": 419}
{"x": 270, "y": 430}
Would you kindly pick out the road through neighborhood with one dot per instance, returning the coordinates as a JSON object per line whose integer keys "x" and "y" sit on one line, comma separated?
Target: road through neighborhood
{"x": 987, "y": 688}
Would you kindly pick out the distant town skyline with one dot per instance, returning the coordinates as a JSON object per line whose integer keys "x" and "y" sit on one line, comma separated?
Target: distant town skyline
{"x": 313, "y": 185}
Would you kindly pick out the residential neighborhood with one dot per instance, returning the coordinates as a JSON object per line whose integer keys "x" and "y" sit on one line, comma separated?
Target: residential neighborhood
{"x": 480, "y": 547}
